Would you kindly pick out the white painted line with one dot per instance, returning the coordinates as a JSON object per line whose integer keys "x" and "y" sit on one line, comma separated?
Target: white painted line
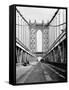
{"x": 57, "y": 68}
{"x": 56, "y": 72}
{"x": 45, "y": 73}
{"x": 27, "y": 75}
{"x": 48, "y": 78}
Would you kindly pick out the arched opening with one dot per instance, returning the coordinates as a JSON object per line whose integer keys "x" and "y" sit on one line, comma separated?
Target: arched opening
{"x": 39, "y": 58}
{"x": 39, "y": 41}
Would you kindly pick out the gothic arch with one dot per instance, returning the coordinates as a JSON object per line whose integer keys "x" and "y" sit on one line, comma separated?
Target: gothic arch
{"x": 33, "y": 37}
{"x": 39, "y": 41}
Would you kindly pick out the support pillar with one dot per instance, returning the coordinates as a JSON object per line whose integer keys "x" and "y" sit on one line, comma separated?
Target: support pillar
{"x": 16, "y": 54}
{"x": 59, "y": 54}
{"x": 20, "y": 57}
{"x": 63, "y": 51}
{"x": 54, "y": 54}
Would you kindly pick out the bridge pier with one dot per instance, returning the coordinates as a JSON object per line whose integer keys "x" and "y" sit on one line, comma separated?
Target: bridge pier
{"x": 54, "y": 55}
{"x": 59, "y": 54}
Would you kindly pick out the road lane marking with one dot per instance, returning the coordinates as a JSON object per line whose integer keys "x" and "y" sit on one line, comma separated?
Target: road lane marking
{"x": 45, "y": 72}
{"x": 57, "y": 68}
{"x": 47, "y": 77}
{"x": 56, "y": 72}
{"x": 26, "y": 76}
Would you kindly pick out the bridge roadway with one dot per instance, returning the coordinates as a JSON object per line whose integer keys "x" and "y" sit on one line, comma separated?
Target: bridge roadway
{"x": 37, "y": 73}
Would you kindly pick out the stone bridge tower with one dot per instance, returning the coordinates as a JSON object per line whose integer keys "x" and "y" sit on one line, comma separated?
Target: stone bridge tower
{"x": 34, "y": 27}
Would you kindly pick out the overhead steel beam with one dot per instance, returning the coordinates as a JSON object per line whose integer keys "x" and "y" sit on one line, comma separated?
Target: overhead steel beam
{"x": 22, "y": 16}
{"x": 53, "y": 17}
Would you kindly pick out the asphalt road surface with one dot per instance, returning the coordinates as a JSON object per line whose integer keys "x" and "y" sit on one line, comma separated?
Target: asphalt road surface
{"x": 40, "y": 72}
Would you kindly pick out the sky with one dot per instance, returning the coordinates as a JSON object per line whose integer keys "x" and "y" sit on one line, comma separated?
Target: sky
{"x": 37, "y": 14}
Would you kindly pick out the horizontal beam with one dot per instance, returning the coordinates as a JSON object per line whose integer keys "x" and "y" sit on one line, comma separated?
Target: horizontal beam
{"x": 53, "y": 17}
{"x": 22, "y": 16}
{"x": 39, "y": 52}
